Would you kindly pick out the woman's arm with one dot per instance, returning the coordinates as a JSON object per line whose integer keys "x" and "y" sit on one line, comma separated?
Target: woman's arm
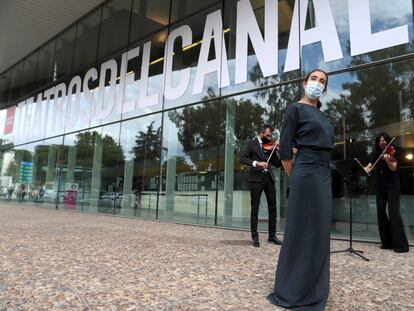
{"x": 287, "y": 148}
{"x": 288, "y": 165}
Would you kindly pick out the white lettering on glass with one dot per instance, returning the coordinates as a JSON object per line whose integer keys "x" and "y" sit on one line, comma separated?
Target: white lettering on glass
{"x": 362, "y": 38}
{"x": 267, "y": 49}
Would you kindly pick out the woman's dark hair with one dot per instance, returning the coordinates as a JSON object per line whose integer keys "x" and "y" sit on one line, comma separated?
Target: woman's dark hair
{"x": 319, "y": 70}
{"x": 319, "y": 104}
{"x": 387, "y": 138}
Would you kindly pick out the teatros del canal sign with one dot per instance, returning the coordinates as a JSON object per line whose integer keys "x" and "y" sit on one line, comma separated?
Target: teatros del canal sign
{"x": 65, "y": 108}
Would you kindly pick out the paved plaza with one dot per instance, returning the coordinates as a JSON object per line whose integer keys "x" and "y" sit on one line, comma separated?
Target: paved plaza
{"x": 62, "y": 260}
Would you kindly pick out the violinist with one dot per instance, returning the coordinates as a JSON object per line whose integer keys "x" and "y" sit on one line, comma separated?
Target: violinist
{"x": 260, "y": 155}
{"x": 391, "y": 229}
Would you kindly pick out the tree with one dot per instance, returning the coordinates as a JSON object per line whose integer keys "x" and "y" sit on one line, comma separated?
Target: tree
{"x": 148, "y": 144}
{"x": 85, "y": 145}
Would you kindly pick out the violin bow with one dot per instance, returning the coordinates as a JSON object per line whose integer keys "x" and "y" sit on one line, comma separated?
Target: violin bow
{"x": 383, "y": 152}
{"x": 273, "y": 150}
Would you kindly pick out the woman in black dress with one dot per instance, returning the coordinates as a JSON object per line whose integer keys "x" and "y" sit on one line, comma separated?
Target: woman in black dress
{"x": 391, "y": 229}
{"x": 302, "y": 275}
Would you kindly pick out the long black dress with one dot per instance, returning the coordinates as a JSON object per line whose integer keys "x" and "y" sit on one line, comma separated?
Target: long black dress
{"x": 302, "y": 276}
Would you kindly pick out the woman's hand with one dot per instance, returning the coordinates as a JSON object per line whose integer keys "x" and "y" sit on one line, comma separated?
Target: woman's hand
{"x": 368, "y": 168}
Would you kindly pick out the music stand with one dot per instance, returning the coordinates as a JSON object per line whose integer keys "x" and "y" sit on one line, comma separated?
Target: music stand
{"x": 348, "y": 169}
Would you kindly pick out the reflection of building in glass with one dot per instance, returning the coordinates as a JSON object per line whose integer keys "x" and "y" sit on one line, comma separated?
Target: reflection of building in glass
{"x": 144, "y": 106}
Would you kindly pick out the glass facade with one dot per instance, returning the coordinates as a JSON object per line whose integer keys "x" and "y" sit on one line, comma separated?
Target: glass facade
{"x": 141, "y": 108}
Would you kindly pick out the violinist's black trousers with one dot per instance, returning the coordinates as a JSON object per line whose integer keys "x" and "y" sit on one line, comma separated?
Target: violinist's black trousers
{"x": 391, "y": 229}
{"x": 256, "y": 188}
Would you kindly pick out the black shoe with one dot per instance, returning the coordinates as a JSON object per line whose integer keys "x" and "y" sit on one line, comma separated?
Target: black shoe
{"x": 401, "y": 250}
{"x": 385, "y": 247}
{"x": 273, "y": 239}
{"x": 255, "y": 242}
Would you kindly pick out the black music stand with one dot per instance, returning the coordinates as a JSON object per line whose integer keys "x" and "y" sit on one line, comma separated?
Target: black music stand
{"x": 348, "y": 169}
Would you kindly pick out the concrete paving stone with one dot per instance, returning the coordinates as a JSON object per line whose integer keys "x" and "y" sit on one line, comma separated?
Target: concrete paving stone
{"x": 61, "y": 260}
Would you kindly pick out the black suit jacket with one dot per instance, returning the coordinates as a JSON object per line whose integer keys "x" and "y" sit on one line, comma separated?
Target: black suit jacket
{"x": 252, "y": 153}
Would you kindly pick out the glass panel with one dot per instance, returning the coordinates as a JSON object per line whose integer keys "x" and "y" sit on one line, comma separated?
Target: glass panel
{"x": 81, "y": 164}
{"x": 141, "y": 145}
{"x": 79, "y": 115}
{"x": 148, "y": 17}
{"x": 356, "y": 32}
{"x": 111, "y": 181}
{"x": 362, "y": 104}
{"x": 143, "y": 96}
{"x": 63, "y": 54}
{"x": 87, "y": 33}
{"x": 4, "y": 88}
{"x": 245, "y": 114}
{"x": 8, "y": 171}
{"x": 187, "y": 57}
{"x": 29, "y": 76}
{"x": 46, "y": 189}
{"x": 183, "y": 8}
{"x": 45, "y": 68}
{"x": 22, "y": 172}
{"x": 111, "y": 103}
{"x": 114, "y": 26}
{"x": 16, "y": 81}
{"x": 189, "y": 164}
{"x": 259, "y": 71}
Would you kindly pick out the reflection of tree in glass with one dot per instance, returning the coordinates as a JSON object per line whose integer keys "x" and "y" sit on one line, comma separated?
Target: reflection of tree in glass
{"x": 340, "y": 112}
{"x": 148, "y": 144}
{"x": 378, "y": 89}
{"x": 201, "y": 129}
{"x": 40, "y": 160}
{"x": 373, "y": 100}
{"x": 85, "y": 147}
{"x": 198, "y": 132}
{"x": 277, "y": 97}
{"x": 147, "y": 152}
{"x": 111, "y": 152}
{"x": 13, "y": 170}
{"x": 248, "y": 120}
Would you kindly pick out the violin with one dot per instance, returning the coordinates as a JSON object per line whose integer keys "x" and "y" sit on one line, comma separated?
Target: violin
{"x": 388, "y": 150}
{"x": 269, "y": 146}
{"x": 391, "y": 152}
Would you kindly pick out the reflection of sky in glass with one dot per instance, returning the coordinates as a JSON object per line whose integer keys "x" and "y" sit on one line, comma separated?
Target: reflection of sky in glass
{"x": 69, "y": 140}
{"x": 335, "y": 86}
{"x": 111, "y": 131}
{"x": 387, "y": 14}
{"x": 53, "y": 141}
{"x": 384, "y": 15}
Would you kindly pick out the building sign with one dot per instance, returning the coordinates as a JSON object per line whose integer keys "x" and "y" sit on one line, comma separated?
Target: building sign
{"x": 67, "y": 107}
{"x": 26, "y": 172}
{"x": 8, "y": 128}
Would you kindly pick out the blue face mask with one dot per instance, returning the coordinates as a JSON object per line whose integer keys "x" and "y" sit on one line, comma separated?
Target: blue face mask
{"x": 314, "y": 89}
